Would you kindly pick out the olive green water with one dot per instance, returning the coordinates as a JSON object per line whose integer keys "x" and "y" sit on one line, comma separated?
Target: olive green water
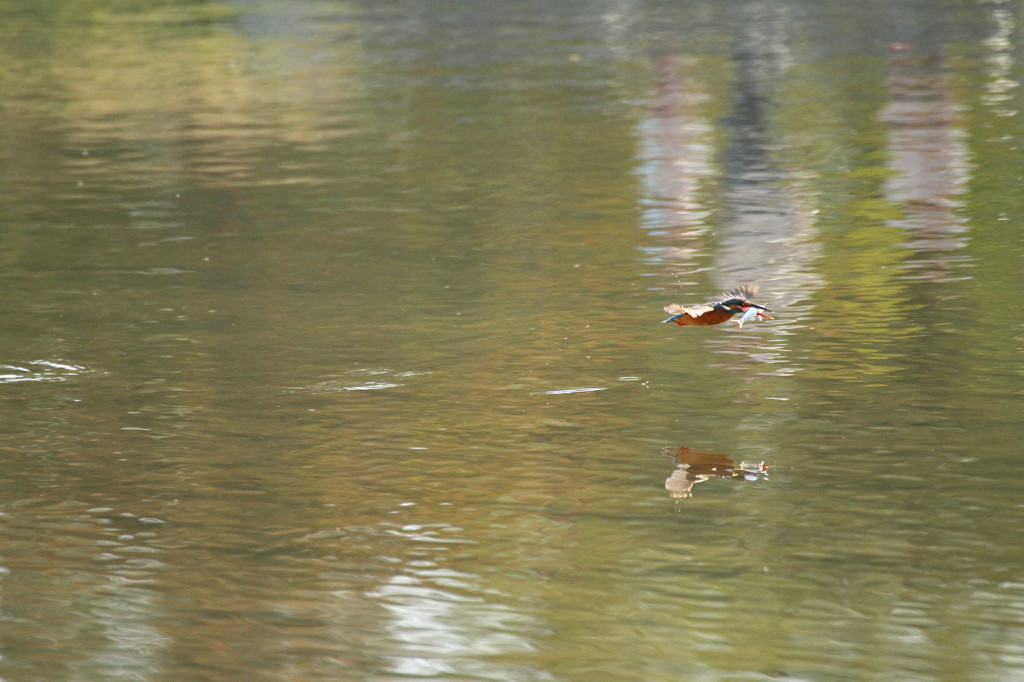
{"x": 331, "y": 349}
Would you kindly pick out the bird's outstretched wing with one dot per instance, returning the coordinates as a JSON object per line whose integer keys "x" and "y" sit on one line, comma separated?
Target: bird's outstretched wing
{"x": 744, "y": 292}
{"x": 693, "y": 311}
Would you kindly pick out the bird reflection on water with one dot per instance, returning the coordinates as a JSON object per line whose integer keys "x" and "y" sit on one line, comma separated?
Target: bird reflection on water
{"x": 693, "y": 466}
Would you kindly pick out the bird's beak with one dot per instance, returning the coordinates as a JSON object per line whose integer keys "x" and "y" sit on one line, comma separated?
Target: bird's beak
{"x": 673, "y": 318}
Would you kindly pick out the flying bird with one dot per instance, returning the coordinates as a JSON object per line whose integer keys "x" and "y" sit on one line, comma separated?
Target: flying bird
{"x": 720, "y": 309}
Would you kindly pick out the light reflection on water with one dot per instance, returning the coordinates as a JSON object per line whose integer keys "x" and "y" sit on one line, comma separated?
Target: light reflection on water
{"x": 332, "y": 344}
{"x": 39, "y": 370}
{"x": 361, "y": 380}
{"x": 447, "y": 620}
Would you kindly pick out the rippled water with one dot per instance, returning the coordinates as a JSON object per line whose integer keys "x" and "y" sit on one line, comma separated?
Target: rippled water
{"x": 332, "y": 351}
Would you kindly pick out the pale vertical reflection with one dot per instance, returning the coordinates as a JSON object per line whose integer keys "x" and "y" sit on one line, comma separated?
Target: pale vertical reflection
{"x": 999, "y": 58}
{"x": 768, "y": 237}
{"x": 447, "y": 622}
{"x": 134, "y": 647}
{"x": 676, "y": 160}
{"x": 930, "y": 159}
{"x": 763, "y": 222}
{"x": 768, "y": 234}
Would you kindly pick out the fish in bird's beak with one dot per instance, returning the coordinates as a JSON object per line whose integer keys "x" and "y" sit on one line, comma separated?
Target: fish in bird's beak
{"x": 748, "y": 314}
{"x": 753, "y": 312}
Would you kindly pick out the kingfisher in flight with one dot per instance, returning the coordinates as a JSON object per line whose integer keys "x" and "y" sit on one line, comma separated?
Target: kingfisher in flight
{"x": 720, "y": 309}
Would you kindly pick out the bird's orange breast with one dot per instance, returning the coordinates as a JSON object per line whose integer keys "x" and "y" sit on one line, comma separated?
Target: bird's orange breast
{"x": 713, "y": 316}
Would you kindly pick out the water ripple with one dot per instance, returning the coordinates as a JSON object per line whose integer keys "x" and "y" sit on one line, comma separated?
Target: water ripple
{"x": 39, "y": 370}
{"x": 584, "y": 389}
{"x": 358, "y": 380}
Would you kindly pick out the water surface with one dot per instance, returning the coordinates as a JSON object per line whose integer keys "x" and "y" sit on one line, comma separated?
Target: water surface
{"x": 331, "y": 344}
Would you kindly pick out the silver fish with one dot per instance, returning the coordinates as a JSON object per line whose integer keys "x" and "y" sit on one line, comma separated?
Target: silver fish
{"x": 751, "y": 313}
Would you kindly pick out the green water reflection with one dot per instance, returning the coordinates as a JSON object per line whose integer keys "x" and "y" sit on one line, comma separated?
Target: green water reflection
{"x": 331, "y": 344}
